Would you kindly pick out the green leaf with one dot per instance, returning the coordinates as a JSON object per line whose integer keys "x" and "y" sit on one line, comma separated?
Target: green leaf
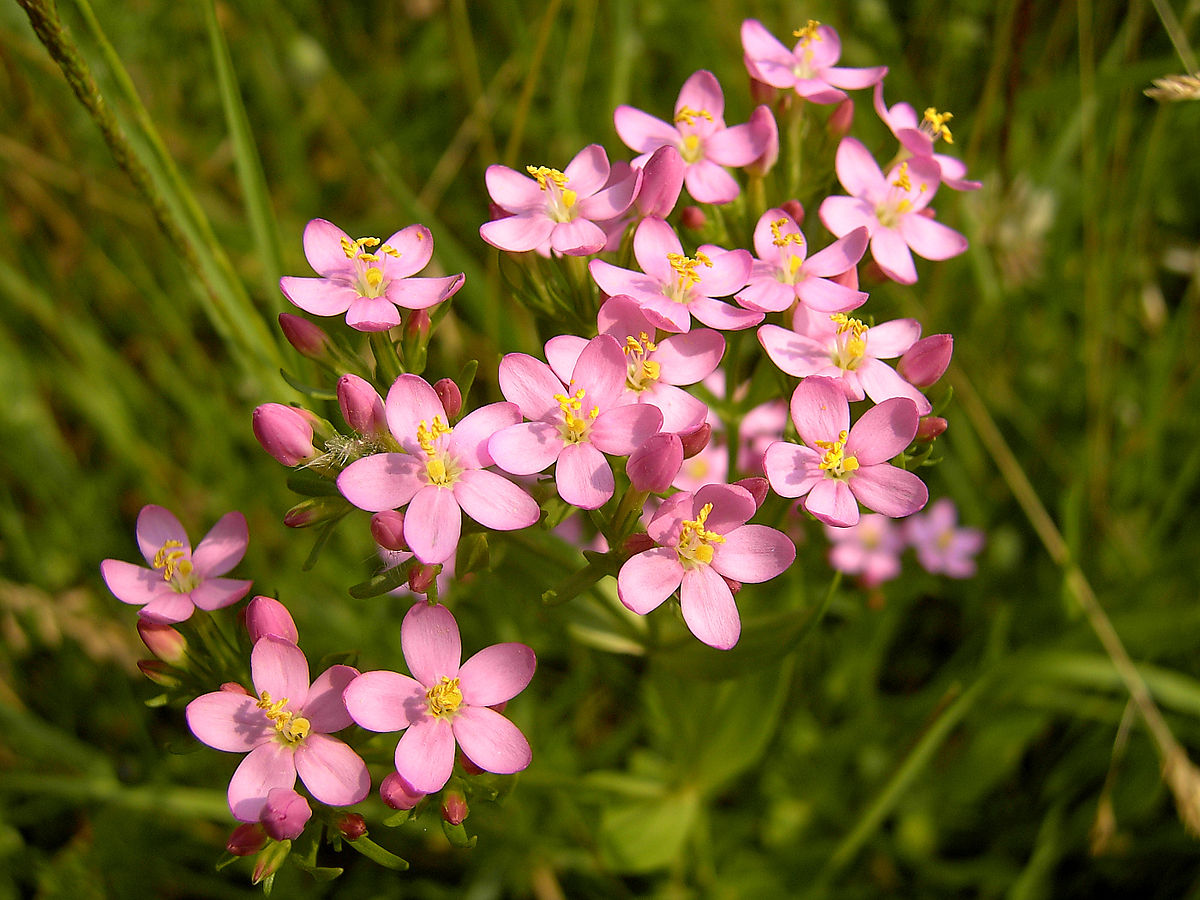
{"x": 744, "y": 717}
{"x": 458, "y": 837}
{"x": 648, "y": 835}
{"x": 374, "y": 852}
{"x": 385, "y": 581}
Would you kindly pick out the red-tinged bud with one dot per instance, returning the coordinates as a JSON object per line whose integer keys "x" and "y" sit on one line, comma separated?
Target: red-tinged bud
{"x": 499, "y": 707}
{"x": 387, "y": 528}
{"x": 639, "y": 542}
{"x": 795, "y": 209}
{"x": 849, "y": 278}
{"x": 352, "y": 826}
{"x": 930, "y": 427}
{"x": 496, "y": 211}
{"x": 309, "y": 340}
{"x": 841, "y": 119}
{"x": 655, "y": 463}
{"x": 454, "y": 807}
{"x": 757, "y": 486}
{"x": 662, "y": 180}
{"x": 314, "y": 511}
{"x": 925, "y": 361}
{"x": 267, "y": 617}
{"x": 163, "y": 641}
{"x": 421, "y": 578}
{"x": 695, "y": 440}
{"x": 362, "y": 407}
{"x": 246, "y": 839}
{"x": 270, "y": 860}
{"x": 159, "y": 672}
{"x": 285, "y": 814}
{"x": 693, "y": 218}
{"x": 469, "y": 767}
{"x": 734, "y": 586}
{"x": 417, "y": 324}
{"x": 232, "y": 687}
{"x": 397, "y": 793}
{"x": 766, "y": 132}
{"x": 761, "y": 92}
{"x": 284, "y": 432}
{"x": 450, "y": 396}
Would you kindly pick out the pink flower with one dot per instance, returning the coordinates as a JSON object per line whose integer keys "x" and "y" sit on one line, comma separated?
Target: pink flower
{"x": 180, "y": 580}
{"x": 845, "y": 349}
{"x": 891, "y": 209}
{"x": 653, "y": 367}
{"x": 839, "y": 465}
{"x": 285, "y": 728}
{"x": 700, "y": 136}
{"x": 702, "y": 541}
{"x": 285, "y": 814}
{"x": 871, "y": 549}
{"x": 781, "y": 274}
{"x": 366, "y": 279}
{"x": 559, "y": 208}
{"x": 441, "y": 473}
{"x": 445, "y": 703}
{"x": 942, "y": 547}
{"x": 671, "y": 288}
{"x": 917, "y": 136}
{"x": 572, "y": 425}
{"x": 809, "y": 67}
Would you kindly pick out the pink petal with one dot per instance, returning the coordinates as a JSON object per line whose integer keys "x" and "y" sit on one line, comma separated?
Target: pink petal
{"x": 530, "y": 384}
{"x": 422, "y": 293}
{"x": 385, "y": 701}
{"x": 433, "y": 524}
{"x": 857, "y": 170}
{"x": 415, "y": 246}
{"x": 332, "y": 772}
{"x": 217, "y": 593}
{"x": 732, "y": 506}
{"x": 649, "y": 578}
{"x": 600, "y": 371}
{"x": 665, "y": 313}
{"x": 840, "y": 256}
{"x": 883, "y": 431}
{"x": 707, "y": 182}
{"x": 513, "y": 191}
{"x": 890, "y": 339}
{"x": 623, "y": 429}
{"x": 228, "y": 721}
{"x": 708, "y": 608}
{"x": 888, "y": 490}
{"x": 688, "y": 358}
{"x": 641, "y": 131}
{"x": 495, "y": 502}
{"x": 372, "y": 314}
{"x": 133, "y": 584}
{"x": 736, "y": 146}
{"x": 583, "y": 476}
{"x": 518, "y": 234}
{"x": 430, "y": 641}
{"x": 881, "y": 382}
{"x": 892, "y": 254}
{"x": 425, "y": 754}
{"x": 411, "y": 401}
{"x": 223, "y": 547}
{"x": 318, "y": 296}
{"x": 754, "y": 553}
{"x": 615, "y": 281}
{"x": 665, "y": 523}
{"x": 268, "y": 766}
{"x": 610, "y": 202}
{"x": 469, "y": 442}
{"x": 931, "y": 239}
{"x": 496, "y": 674}
{"x": 323, "y": 248}
{"x": 702, "y": 91}
{"x": 854, "y": 79}
{"x": 680, "y": 410}
{"x": 381, "y": 481}
{"x": 526, "y": 448}
{"x": 280, "y": 668}
{"x": 588, "y": 171}
{"x": 729, "y": 272}
{"x": 156, "y": 526}
{"x": 168, "y": 608}
{"x": 562, "y": 351}
{"x": 325, "y": 709}
{"x": 843, "y": 215}
{"x": 792, "y": 470}
{"x": 577, "y": 238}
{"x": 491, "y": 741}
{"x": 828, "y": 296}
{"x": 653, "y": 242}
{"x": 831, "y": 502}
{"x": 724, "y": 316}
{"x": 759, "y": 43}
{"x": 766, "y": 294}
{"x": 819, "y": 410}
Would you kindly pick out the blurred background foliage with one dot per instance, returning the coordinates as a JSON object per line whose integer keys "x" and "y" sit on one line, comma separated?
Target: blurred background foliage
{"x": 931, "y": 738}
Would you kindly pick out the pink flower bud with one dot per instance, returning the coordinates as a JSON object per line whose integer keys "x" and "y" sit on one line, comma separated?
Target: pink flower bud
{"x": 421, "y": 578}
{"x": 398, "y": 793}
{"x": 795, "y": 209}
{"x": 467, "y": 766}
{"x": 841, "y": 119}
{"x": 284, "y": 432}
{"x": 285, "y": 814}
{"x": 387, "y": 528}
{"x": 930, "y": 427}
{"x": 232, "y": 687}
{"x": 362, "y": 407}
{"x": 695, "y": 440}
{"x": 766, "y": 132}
{"x": 163, "y": 641}
{"x": 757, "y": 486}
{"x": 653, "y": 465}
{"x": 309, "y": 339}
{"x": 314, "y": 511}
{"x": 454, "y": 807}
{"x": 662, "y": 180}
{"x": 246, "y": 839}
{"x": 159, "y": 672}
{"x": 450, "y": 396}
{"x": 925, "y": 361}
{"x": 638, "y": 542}
{"x": 693, "y": 218}
{"x": 734, "y": 586}
{"x": 418, "y": 324}
{"x": 267, "y": 616}
{"x": 352, "y": 826}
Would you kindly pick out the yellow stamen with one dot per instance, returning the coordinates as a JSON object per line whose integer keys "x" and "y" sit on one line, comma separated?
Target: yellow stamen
{"x": 291, "y": 727}
{"x": 902, "y": 180}
{"x": 779, "y": 239}
{"x": 435, "y": 460}
{"x": 691, "y": 149}
{"x": 835, "y": 461}
{"x": 373, "y": 277}
{"x": 575, "y": 426}
{"x": 808, "y": 32}
{"x": 695, "y": 541}
{"x": 444, "y": 698}
{"x": 851, "y": 341}
{"x": 688, "y": 116}
{"x": 172, "y": 559}
{"x": 543, "y": 174}
{"x": 935, "y": 123}
{"x": 685, "y": 267}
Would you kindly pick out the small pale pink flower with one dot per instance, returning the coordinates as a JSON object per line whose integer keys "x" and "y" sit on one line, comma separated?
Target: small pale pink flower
{"x": 783, "y": 273}
{"x": 284, "y": 728}
{"x": 871, "y": 549}
{"x": 179, "y": 579}
{"x": 367, "y": 279}
{"x": 703, "y": 540}
{"x": 672, "y": 287}
{"x": 572, "y": 425}
{"x": 441, "y": 473}
{"x": 942, "y": 547}
{"x": 918, "y": 135}
{"x": 892, "y": 209}
{"x": 560, "y": 209}
{"x": 809, "y": 68}
{"x": 838, "y": 466}
{"x": 699, "y": 133}
{"x": 844, "y": 348}
{"x": 445, "y": 703}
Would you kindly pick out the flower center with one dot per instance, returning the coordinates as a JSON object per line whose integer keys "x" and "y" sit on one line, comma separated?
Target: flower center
{"x": 440, "y": 468}
{"x": 802, "y": 68}
{"x": 176, "y": 567}
{"x": 562, "y": 199}
{"x": 289, "y": 726}
{"x": 898, "y": 201}
{"x": 640, "y": 372}
{"x": 850, "y": 342}
{"x": 695, "y": 545}
{"x": 808, "y": 32}
{"x": 933, "y": 123}
{"x": 444, "y": 698}
{"x": 366, "y": 253}
{"x": 685, "y": 268}
{"x": 574, "y": 427}
{"x": 795, "y": 259}
{"x": 835, "y": 461}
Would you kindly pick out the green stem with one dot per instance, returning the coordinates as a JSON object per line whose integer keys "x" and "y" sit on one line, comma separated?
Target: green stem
{"x": 387, "y": 361}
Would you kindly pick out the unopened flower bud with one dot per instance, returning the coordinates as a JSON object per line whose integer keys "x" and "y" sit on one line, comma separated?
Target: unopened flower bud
{"x": 285, "y": 814}
{"x": 387, "y": 528}
{"x": 765, "y": 130}
{"x": 693, "y": 218}
{"x": 417, "y": 324}
{"x": 454, "y": 807}
{"x": 795, "y": 209}
{"x": 163, "y": 641}
{"x": 352, "y": 826}
{"x": 695, "y": 440}
{"x": 757, "y": 486}
{"x": 841, "y": 119}
{"x": 450, "y": 396}
{"x": 159, "y": 672}
{"x": 930, "y": 427}
{"x": 284, "y": 432}
{"x": 467, "y": 766}
{"x": 734, "y": 586}
{"x": 637, "y": 543}
{"x": 314, "y": 511}
{"x": 362, "y": 407}
{"x": 246, "y": 839}
{"x": 662, "y": 180}
{"x": 655, "y": 463}
{"x": 925, "y": 361}
{"x": 270, "y": 860}
{"x": 397, "y": 793}
{"x": 267, "y": 617}
{"x": 421, "y": 578}
{"x": 309, "y": 340}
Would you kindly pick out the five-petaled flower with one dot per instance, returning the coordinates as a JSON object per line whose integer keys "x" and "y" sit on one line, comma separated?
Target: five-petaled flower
{"x": 809, "y": 67}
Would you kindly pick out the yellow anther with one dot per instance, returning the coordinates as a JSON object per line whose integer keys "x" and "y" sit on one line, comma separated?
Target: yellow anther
{"x": 543, "y": 174}
{"x": 934, "y": 123}
{"x": 685, "y": 267}
{"x": 641, "y": 372}
{"x": 368, "y": 242}
{"x": 688, "y": 116}
{"x": 695, "y": 541}
{"x": 369, "y": 257}
{"x": 291, "y": 727}
{"x": 171, "y": 558}
{"x": 427, "y": 435}
{"x": 574, "y": 425}
{"x": 902, "y": 180}
{"x": 373, "y": 276}
{"x": 392, "y": 251}
{"x": 850, "y": 340}
{"x": 779, "y": 239}
{"x": 835, "y": 461}
{"x": 349, "y": 247}
{"x": 808, "y": 32}
{"x": 444, "y": 698}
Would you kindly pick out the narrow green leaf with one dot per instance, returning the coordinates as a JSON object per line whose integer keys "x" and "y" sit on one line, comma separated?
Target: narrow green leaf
{"x": 374, "y": 852}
